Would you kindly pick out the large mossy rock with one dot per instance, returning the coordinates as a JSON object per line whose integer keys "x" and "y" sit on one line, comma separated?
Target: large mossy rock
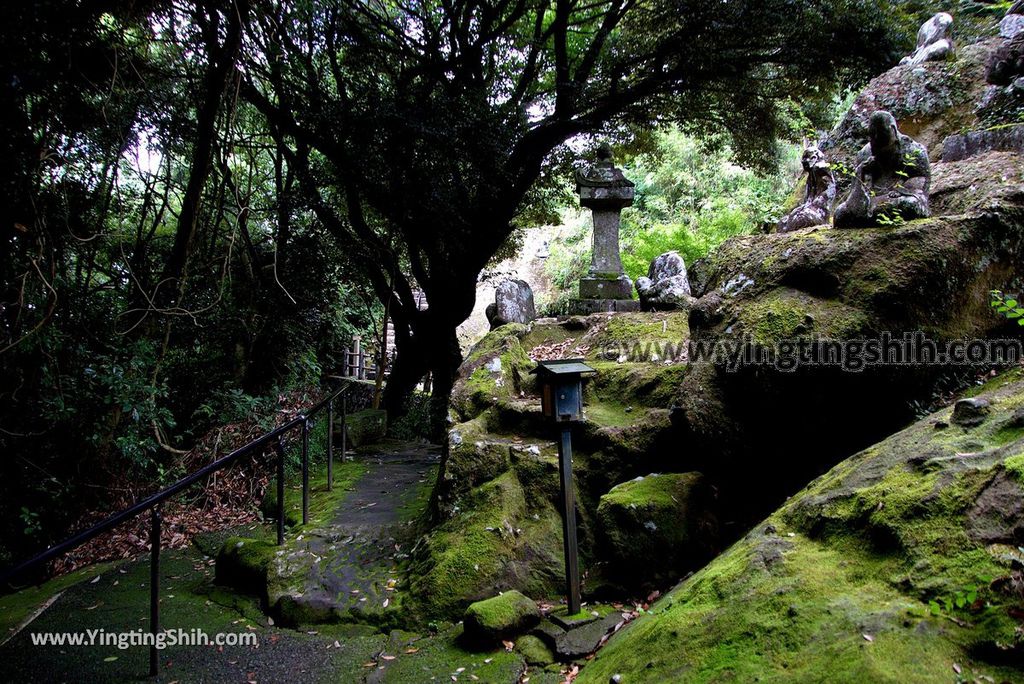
{"x": 818, "y": 288}
{"x": 499, "y": 492}
{"x": 368, "y": 426}
{"x": 497, "y": 537}
{"x": 656, "y": 525}
{"x": 900, "y": 564}
{"x": 503, "y": 616}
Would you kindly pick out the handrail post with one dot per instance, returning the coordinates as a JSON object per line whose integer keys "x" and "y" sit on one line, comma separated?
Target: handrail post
{"x": 330, "y": 444}
{"x": 154, "y": 586}
{"x": 344, "y": 427}
{"x": 279, "y": 447}
{"x": 305, "y": 470}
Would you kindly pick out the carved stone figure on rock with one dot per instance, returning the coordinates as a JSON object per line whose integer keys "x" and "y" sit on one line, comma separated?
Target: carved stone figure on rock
{"x": 816, "y": 209}
{"x": 666, "y": 285}
{"x": 1006, "y": 64}
{"x": 513, "y": 303}
{"x": 933, "y": 40}
{"x": 891, "y": 180}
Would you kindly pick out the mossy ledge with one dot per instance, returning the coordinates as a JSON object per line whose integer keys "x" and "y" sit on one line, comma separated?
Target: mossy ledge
{"x": 894, "y": 566}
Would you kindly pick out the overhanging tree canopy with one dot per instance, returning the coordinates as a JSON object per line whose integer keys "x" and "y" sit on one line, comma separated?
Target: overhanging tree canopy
{"x": 419, "y": 130}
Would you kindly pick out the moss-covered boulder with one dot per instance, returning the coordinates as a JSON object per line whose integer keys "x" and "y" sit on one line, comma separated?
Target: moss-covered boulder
{"x": 496, "y": 369}
{"x": 534, "y": 650}
{"x": 658, "y": 526}
{"x": 495, "y": 538}
{"x": 243, "y": 564}
{"x": 368, "y": 426}
{"x": 500, "y": 617}
{"x": 788, "y": 345}
{"x": 899, "y": 564}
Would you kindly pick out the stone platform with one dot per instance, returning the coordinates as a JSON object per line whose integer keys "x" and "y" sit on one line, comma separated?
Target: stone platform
{"x": 583, "y": 307}
{"x": 606, "y": 287}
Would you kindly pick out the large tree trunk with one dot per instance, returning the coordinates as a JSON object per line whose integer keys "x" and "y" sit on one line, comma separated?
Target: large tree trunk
{"x": 429, "y": 344}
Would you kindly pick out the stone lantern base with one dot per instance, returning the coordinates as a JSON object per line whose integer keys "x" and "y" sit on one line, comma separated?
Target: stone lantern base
{"x": 599, "y": 294}
{"x": 584, "y": 307}
{"x": 607, "y": 293}
{"x": 598, "y": 287}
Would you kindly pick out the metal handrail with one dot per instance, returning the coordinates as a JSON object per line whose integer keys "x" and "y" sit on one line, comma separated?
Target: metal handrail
{"x": 153, "y": 502}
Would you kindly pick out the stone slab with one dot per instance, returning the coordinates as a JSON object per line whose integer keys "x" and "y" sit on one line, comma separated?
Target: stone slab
{"x": 606, "y": 288}
{"x": 584, "y": 307}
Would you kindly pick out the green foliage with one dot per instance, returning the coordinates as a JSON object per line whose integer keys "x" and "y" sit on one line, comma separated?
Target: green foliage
{"x": 960, "y": 600}
{"x": 691, "y": 196}
{"x": 1007, "y": 306}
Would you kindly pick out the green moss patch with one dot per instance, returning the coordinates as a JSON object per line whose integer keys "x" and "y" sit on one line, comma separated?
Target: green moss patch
{"x": 500, "y": 617}
{"x": 896, "y": 561}
{"x": 493, "y": 541}
{"x": 787, "y": 314}
{"x": 655, "y": 526}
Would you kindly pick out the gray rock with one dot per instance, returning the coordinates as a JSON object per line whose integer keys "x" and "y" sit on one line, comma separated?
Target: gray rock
{"x": 584, "y": 640}
{"x": 513, "y": 303}
{"x": 970, "y": 412}
{"x": 1006, "y": 63}
{"x": 1011, "y": 25}
{"x": 1006, "y": 139}
{"x": 933, "y": 40}
{"x": 997, "y": 515}
{"x": 666, "y": 285}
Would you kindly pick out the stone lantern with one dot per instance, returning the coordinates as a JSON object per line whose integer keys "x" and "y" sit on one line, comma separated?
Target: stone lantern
{"x": 605, "y": 191}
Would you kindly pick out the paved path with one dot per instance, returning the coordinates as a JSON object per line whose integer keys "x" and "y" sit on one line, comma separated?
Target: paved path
{"x": 348, "y": 570}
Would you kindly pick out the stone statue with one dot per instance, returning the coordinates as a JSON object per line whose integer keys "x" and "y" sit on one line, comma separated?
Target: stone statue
{"x": 1006, "y": 63}
{"x": 891, "y": 180}
{"x": 666, "y": 286}
{"x": 933, "y": 40}
{"x": 816, "y": 209}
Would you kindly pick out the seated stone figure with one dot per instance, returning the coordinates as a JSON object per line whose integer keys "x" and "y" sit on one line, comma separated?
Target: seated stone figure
{"x": 666, "y": 286}
{"x": 933, "y": 40}
{"x": 816, "y": 209}
{"x": 891, "y": 181}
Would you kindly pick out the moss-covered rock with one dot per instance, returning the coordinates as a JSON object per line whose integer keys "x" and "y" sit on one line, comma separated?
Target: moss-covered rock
{"x": 656, "y": 527}
{"x": 500, "y": 617}
{"x": 497, "y": 368}
{"x": 534, "y": 651}
{"x": 898, "y": 563}
{"x": 368, "y": 426}
{"x": 495, "y": 539}
{"x": 243, "y": 564}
